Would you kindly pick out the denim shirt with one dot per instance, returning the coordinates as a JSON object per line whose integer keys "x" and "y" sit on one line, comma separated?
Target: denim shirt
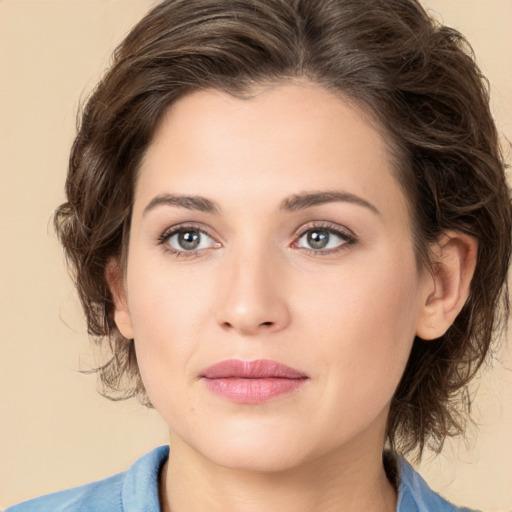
{"x": 136, "y": 490}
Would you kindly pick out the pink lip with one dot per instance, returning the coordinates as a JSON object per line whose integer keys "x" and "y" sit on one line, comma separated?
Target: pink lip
{"x": 252, "y": 382}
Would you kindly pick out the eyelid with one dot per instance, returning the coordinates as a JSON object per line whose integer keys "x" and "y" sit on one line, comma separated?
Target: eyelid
{"x": 327, "y": 225}
{"x": 338, "y": 230}
{"x": 183, "y": 226}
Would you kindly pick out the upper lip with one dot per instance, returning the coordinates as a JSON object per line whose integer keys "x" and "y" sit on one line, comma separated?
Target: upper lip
{"x": 257, "y": 369}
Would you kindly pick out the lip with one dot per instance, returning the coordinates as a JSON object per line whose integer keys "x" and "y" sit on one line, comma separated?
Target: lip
{"x": 252, "y": 382}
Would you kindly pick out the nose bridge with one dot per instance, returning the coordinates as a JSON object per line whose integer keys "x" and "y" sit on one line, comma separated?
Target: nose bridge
{"x": 253, "y": 296}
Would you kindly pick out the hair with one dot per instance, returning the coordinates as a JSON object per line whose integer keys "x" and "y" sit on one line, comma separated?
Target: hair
{"x": 417, "y": 77}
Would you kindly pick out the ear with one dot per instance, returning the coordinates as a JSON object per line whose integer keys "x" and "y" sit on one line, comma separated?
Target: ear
{"x": 115, "y": 279}
{"x": 447, "y": 287}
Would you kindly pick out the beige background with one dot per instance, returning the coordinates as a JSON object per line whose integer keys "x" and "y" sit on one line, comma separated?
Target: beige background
{"x": 55, "y": 431}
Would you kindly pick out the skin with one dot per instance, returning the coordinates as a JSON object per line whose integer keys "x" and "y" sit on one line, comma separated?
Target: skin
{"x": 345, "y": 315}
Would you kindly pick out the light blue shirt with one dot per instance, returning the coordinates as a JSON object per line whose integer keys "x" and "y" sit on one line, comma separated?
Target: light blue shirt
{"x": 136, "y": 490}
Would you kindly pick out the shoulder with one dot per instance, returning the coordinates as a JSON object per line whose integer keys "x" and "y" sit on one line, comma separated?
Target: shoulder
{"x": 135, "y": 489}
{"x": 414, "y": 495}
{"x": 96, "y": 496}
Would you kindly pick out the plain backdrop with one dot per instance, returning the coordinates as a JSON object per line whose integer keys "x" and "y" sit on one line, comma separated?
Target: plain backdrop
{"x": 55, "y": 430}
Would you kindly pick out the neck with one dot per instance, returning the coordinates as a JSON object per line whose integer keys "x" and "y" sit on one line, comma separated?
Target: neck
{"x": 331, "y": 483}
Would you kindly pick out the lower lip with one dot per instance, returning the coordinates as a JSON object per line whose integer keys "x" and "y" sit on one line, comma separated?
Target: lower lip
{"x": 253, "y": 391}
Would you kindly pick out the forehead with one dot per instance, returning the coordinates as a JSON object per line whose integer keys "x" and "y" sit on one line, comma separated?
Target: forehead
{"x": 281, "y": 140}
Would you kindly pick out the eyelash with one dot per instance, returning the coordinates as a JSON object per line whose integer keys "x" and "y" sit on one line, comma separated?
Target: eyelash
{"x": 174, "y": 230}
{"x": 348, "y": 237}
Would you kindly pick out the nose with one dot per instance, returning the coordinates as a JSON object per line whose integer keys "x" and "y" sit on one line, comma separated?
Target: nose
{"x": 252, "y": 295}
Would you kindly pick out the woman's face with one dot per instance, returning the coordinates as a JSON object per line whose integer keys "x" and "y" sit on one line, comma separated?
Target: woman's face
{"x": 270, "y": 231}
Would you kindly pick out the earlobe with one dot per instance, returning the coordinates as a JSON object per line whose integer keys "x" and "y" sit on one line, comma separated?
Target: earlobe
{"x": 447, "y": 288}
{"x": 115, "y": 280}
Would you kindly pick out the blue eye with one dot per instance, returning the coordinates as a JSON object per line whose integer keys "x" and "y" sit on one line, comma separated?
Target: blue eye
{"x": 323, "y": 239}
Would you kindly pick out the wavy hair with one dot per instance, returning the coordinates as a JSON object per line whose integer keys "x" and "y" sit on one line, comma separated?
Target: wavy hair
{"x": 417, "y": 77}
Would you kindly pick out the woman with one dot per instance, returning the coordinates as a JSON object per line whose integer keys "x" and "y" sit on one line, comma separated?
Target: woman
{"x": 290, "y": 223}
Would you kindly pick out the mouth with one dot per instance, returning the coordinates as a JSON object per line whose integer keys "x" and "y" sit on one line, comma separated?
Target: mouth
{"x": 252, "y": 382}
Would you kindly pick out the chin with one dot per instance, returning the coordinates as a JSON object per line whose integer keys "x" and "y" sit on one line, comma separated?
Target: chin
{"x": 267, "y": 459}
{"x": 256, "y": 450}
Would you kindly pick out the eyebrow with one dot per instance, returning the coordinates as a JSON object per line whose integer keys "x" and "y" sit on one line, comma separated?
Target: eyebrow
{"x": 189, "y": 202}
{"x": 309, "y": 199}
{"x": 292, "y": 203}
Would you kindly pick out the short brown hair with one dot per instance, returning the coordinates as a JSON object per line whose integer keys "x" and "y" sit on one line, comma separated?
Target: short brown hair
{"x": 417, "y": 77}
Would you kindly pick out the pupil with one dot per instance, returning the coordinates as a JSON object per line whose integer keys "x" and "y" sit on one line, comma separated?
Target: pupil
{"x": 189, "y": 239}
{"x": 318, "y": 239}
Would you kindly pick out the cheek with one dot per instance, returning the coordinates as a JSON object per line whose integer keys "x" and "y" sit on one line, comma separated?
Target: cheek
{"x": 165, "y": 346}
{"x": 365, "y": 327}
{"x": 165, "y": 312}
{"x": 164, "y": 305}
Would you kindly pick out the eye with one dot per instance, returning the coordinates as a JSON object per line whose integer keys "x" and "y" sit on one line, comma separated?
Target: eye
{"x": 324, "y": 239}
{"x": 184, "y": 239}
